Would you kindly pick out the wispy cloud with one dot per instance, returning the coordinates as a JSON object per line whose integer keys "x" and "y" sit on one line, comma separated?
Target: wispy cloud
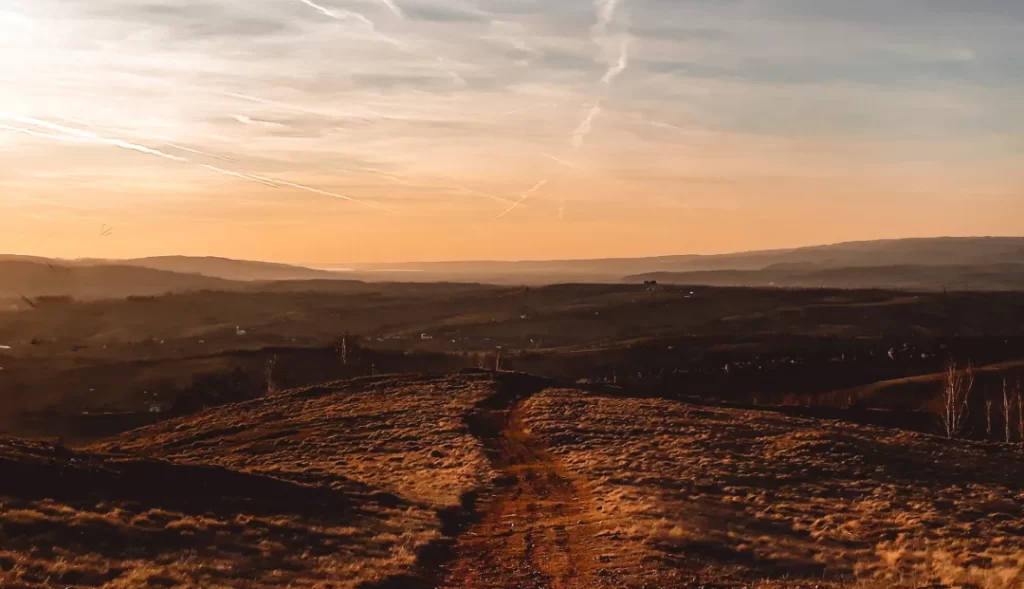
{"x": 605, "y": 15}
{"x": 256, "y": 179}
{"x": 337, "y": 14}
{"x": 39, "y": 135}
{"x": 619, "y": 66}
{"x": 256, "y": 122}
{"x": 563, "y": 162}
{"x": 79, "y": 133}
{"x": 586, "y": 125}
{"x": 393, "y": 7}
{"x": 320, "y": 192}
{"x": 493, "y": 197}
{"x": 88, "y": 135}
{"x": 523, "y": 197}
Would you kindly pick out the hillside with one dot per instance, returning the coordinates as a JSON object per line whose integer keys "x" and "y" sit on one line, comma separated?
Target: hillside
{"x": 956, "y": 253}
{"x": 1001, "y": 277}
{"x": 35, "y": 278}
{"x": 243, "y": 270}
{"x": 485, "y": 480}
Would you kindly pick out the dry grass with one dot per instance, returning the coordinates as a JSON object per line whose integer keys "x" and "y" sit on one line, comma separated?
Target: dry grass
{"x": 758, "y": 499}
{"x": 332, "y": 486}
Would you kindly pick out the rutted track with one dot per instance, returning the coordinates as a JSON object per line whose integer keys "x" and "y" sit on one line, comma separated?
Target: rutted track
{"x": 533, "y": 531}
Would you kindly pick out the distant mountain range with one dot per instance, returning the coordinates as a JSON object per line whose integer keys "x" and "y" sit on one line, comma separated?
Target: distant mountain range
{"x": 982, "y": 263}
{"x": 929, "y": 263}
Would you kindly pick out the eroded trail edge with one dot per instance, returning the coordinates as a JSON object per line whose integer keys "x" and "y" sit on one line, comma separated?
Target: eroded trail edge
{"x": 532, "y": 530}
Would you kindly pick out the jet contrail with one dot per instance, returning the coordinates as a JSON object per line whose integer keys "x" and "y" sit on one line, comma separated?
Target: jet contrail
{"x": 240, "y": 175}
{"x": 157, "y": 153}
{"x": 348, "y": 15}
{"x": 586, "y": 125}
{"x": 32, "y": 133}
{"x": 318, "y": 191}
{"x": 337, "y": 14}
{"x": 162, "y": 140}
{"x": 620, "y": 66}
{"x": 255, "y": 122}
{"x": 522, "y": 198}
{"x": 90, "y": 136}
{"x": 299, "y": 108}
{"x": 394, "y": 8}
{"x": 565, "y": 163}
{"x": 605, "y": 14}
{"x": 493, "y": 197}
{"x": 190, "y": 150}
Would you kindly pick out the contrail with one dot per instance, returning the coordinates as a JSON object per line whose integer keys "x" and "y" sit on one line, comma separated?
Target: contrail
{"x": 241, "y": 175}
{"x": 190, "y": 150}
{"x": 32, "y": 133}
{"x": 299, "y": 108}
{"x": 605, "y": 14}
{"x": 348, "y": 15}
{"x": 565, "y": 163}
{"x": 394, "y": 8}
{"x": 90, "y": 136}
{"x": 337, "y": 14}
{"x": 620, "y": 66}
{"x": 157, "y": 153}
{"x": 493, "y": 197}
{"x": 586, "y": 125}
{"x": 255, "y": 122}
{"x": 318, "y": 191}
{"x": 522, "y": 198}
{"x": 157, "y": 138}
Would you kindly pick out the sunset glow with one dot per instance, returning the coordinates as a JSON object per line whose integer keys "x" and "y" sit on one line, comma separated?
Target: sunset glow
{"x": 388, "y": 130}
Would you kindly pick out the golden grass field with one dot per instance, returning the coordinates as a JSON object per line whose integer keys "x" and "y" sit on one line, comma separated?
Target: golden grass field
{"x": 749, "y": 498}
{"x": 483, "y": 480}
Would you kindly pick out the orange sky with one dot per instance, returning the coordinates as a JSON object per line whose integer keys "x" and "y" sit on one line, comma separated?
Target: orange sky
{"x": 332, "y": 132}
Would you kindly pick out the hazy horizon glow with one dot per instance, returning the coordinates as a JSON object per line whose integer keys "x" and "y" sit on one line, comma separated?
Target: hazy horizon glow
{"x": 331, "y": 131}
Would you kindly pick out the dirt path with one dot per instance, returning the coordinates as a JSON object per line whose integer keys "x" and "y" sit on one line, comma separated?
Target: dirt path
{"x": 534, "y": 532}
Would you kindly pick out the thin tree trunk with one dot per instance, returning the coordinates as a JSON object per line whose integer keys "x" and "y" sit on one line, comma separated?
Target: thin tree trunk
{"x": 988, "y": 417}
{"x": 1007, "y": 410}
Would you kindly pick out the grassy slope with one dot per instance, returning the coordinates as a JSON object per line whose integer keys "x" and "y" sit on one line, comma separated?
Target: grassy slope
{"x": 342, "y": 483}
{"x": 741, "y": 498}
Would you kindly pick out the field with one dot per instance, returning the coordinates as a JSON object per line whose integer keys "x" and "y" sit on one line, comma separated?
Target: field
{"x": 752, "y": 498}
{"x": 321, "y": 434}
{"x": 82, "y": 370}
{"x": 486, "y": 480}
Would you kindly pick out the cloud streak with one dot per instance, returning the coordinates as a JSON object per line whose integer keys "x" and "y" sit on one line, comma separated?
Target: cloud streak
{"x": 522, "y": 198}
{"x": 88, "y": 135}
{"x": 615, "y": 69}
{"x": 337, "y": 14}
{"x": 393, "y": 7}
{"x": 605, "y": 15}
{"x": 78, "y": 133}
{"x": 586, "y": 125}
{"x": 241, "y": 175}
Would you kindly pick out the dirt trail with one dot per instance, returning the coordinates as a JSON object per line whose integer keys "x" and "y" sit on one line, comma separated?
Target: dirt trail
{"x": 533, "y": 532}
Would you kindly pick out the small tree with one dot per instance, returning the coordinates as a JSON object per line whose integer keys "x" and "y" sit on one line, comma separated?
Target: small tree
{"x": 268, "y": 375}
{"x": 1020, "y": 411}
{"x": 1007, "y": 412}
{"x": 988, "y": 417}
{"x": 956, "y": 399}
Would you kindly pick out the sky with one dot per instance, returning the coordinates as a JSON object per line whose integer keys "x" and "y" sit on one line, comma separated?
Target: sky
{"x": 326, "y": 131}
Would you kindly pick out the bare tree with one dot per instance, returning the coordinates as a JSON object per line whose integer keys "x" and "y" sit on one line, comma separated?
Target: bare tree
{"x": 1020, "y": 411}
{"x": 988, "y": 415}
{"x": 1007, "y": 411}
{"x": 268, "y": 374}
{"x": 956, "y": 399}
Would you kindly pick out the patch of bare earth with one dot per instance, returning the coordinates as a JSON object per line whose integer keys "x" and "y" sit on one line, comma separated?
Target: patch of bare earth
{"x": 731, "y": 498}
{"x": 536, "y": 530}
